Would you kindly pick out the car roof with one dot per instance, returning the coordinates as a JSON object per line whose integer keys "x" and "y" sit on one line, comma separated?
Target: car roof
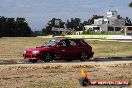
{"x": 68, "y": 39}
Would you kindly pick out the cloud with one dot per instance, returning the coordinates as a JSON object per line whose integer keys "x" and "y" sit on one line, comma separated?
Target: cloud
{"x": 38, "y": 12}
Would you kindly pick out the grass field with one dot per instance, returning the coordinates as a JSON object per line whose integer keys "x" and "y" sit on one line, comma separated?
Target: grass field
{"x": 13, "y": 47}
{"x": 61, "y": 75}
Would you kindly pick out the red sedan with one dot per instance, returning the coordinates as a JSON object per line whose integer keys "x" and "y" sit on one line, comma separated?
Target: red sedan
{"x": 60, "y": 49}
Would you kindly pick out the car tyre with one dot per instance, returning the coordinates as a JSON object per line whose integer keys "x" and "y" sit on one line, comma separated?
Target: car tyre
{"x": 83, "y": 56}
{"x": 47, "y": 57}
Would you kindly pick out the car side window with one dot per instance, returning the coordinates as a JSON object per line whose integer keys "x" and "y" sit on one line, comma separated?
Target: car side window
{"x": 72, "y": 43}
{"x": 82, "y": 42}
{"x": 63, "y": 43}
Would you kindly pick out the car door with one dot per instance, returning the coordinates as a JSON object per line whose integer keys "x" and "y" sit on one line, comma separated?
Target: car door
{"x": 63, "y": 51}
{"x": 75, "y": 49}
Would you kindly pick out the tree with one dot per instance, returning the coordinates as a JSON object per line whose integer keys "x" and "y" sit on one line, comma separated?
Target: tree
{"x": 54, "y": 22}
{"x": 119, "y": 17}
{"x": 9, "y": 27}
{"x": 87, "y": 22}
{"x": 21, "y": 28}
{"x": 128, "y": 21}
{"x": 74, "y": 23}
{"x": 3, "y": 30}
{"x": 130, "y": 4}
{"x": 91, "y": 20}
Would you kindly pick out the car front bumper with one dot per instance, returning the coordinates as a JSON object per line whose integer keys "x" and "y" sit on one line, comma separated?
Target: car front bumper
{"x": 31, "y": 56}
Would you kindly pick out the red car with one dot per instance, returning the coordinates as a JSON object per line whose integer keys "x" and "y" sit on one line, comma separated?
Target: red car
{"x": 60, "y": 49}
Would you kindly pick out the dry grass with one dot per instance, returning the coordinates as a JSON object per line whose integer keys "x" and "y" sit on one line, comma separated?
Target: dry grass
{"x": 13, "y": 47}
{"x": 61, "y": 76}
{"x": 111, "y": 48}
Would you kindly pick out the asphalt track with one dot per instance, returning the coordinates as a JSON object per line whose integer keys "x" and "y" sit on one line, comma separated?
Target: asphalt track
{"x": 103, "y": 59}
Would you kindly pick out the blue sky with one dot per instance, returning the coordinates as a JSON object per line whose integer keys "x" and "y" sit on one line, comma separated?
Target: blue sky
{"x": 39, "y": 12}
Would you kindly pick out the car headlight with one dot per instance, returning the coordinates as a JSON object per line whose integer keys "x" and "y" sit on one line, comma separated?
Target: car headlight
{"x": 24, "y": 52}
{"x": 35, "y": 52}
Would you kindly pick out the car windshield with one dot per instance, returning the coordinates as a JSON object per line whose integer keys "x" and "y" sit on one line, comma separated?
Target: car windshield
{"x": 51, "y": 43}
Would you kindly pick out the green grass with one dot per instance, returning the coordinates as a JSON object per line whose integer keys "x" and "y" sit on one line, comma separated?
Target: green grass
{"x": 13, "y": 47}
{"x": 111, "y": 48}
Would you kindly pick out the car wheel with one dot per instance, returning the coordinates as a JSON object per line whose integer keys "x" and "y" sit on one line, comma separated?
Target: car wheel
{"x": 48, "y": 57}
{"x": 83, "y": 56}
{"x": 33, "y": 60}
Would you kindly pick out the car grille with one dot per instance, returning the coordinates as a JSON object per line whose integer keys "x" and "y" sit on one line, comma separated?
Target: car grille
{"x": 30, "y": 56}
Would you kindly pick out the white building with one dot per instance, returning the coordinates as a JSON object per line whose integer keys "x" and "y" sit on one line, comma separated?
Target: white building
{"x": 111, "y": 22}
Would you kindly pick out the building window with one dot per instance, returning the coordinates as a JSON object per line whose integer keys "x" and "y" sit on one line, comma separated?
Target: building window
{"x": 108, "y": 22}
{"x": 96, "y": 28}
{"x": 117, "y": 28}
{"x": 110, "y": 28}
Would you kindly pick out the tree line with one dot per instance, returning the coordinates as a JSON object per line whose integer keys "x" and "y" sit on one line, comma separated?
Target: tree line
{"x": 75, "y": 23}
{"x": 130, "y": 4}
{"x": 11, "y": 27}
